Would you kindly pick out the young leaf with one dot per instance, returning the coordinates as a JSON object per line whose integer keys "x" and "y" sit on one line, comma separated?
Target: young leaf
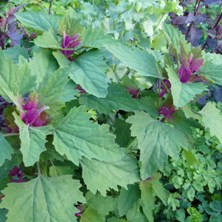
{"x": 109, "y": 174}
{"x": 15, "y": 79}
{"x": 38, "y": 21}
{"x": 5, "y": 150}
{"x": 156, "y": 141}
{"x": 76, "y": 136}
{"x": 88, "y": 70}
{"x": 212, "y": 119}
{"x": 183, "y": 93}
{"x": 141, "y": 61}
{"x": 33, "y": 141}
{"x": 40, "y": 199}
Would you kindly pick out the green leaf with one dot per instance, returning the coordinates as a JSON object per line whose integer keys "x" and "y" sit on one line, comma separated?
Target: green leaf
{"x": 212, "y": 68}
{"x": 183, "y": 93}
{"x": 115, "y": 219}
{"x": 91, "y": 215}
{"x": 122, "y": 131}
{"x": 40, "y": 199}
{"x": 141, "y": 61}
{"x": 33, "y": 141}
{"x": 127, "y": 198}
{"x": 103, "y": 205}
{"x": 96, "y": 38}
{"x": 15, "y": 79}
{"x": 15, "y": 52}
{"x": 42, "y": 65}
{"x": 156, "y": 141}
{"x": 38, "y": 21}
{"x": 135, "y": 214}
{"x": 212, "y": 120}
{"x": 71, "y": 24}
{"x": 3, "y": 213}
{"x": 47, "y": 40}
{"x": 53, "y": 89}
{"x": 77, "y": 136}
{"x": 148, "y": 199}
{"x": 88, "y": 71}
{"x": 55, "y": 171}
{"x": 109, "y": 174}
{"x": 5, "y": 150}
{"x": 116, "y": 99}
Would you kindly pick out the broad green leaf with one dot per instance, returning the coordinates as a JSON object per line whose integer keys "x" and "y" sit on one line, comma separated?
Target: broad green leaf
{"x": 38, "y": 21}
{"x": 183, "y": 93}
{"x": 61, "y": 59}
{"x": 135, "y": 214}
{"x": 103, "y": 205}
{"x": 42, "y": 199}
{"x": 141, "y": 61}
{"x": 15, "y": 79}
{"x": 42, "y": 65}
{"x": 127, "y": 198}
{"x": 116, "y": 99}
{"x": 115, "y": 219}
{"x": 156, "y": 141}
{"x": 15, "y": 52}
{"x": 47, "y": 40}
{"x": 96, "y": 38}
{"x": 71, "y": 24}
{"x": 212, "y": 119}
{"x": 77, "y": 136}
{"x": 33, "y": 141}
{"x": 91, "y": 215}
{"x": 55, "y": 171}
{"x": 122, "y": 131}
{"x": 5, "y": 150}
{"x": 88, "y": 70}
{"x": 212, "y": 68}
{"x": 148, "y": 199}
{"x": 53, "y": 88}
{"x": 3, "y": 213}
{"x": 103, "y": 175}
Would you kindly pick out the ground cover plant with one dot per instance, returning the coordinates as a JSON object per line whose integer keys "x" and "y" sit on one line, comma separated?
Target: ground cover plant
{"x": 107, "y": 113}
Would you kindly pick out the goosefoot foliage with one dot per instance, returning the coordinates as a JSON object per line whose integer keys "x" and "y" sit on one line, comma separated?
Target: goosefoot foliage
{"x": 106, "y": 115}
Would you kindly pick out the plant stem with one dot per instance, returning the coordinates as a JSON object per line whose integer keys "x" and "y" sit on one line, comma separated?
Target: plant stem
{"x": 50, "y": 6}
{"x": 38, "y": 168}
{"x": 10, "y": 134}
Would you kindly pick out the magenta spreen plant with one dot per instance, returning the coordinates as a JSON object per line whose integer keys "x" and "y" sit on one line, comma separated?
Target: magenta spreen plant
{"x": 85, "y": 139}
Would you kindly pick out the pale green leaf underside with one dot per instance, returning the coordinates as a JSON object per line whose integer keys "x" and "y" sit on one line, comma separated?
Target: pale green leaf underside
{"x": 38, "y": 21}
{"x": 212, "y": 119}
{"x": 212, "y": 68}
{"x": 33, "y": 141}
{"x": 42, "y": 199}
{"x": 15, "y": 79}
{"x": 5, "y": 150}
{"x": 156, "y": 141}
{"x": 183, "y": 93}
{"x": 88, "y": 71}
{"x": 76, "y": 136}
{"x": 141, "y": 61}
{"x": 101, "y": 175}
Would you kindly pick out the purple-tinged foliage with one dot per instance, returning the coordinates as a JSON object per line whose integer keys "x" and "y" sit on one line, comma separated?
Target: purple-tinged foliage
{"x": 17, "y": 175}
{"x": 164, "y": 86}
{"x": 134, "y": 92}
{"x": 68, "y": 44}
{"x": 189, "y": 67}
{"x": 32, "y": 115}
{"x": 167, "y": 111}
{"x": 80, "y": 208}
